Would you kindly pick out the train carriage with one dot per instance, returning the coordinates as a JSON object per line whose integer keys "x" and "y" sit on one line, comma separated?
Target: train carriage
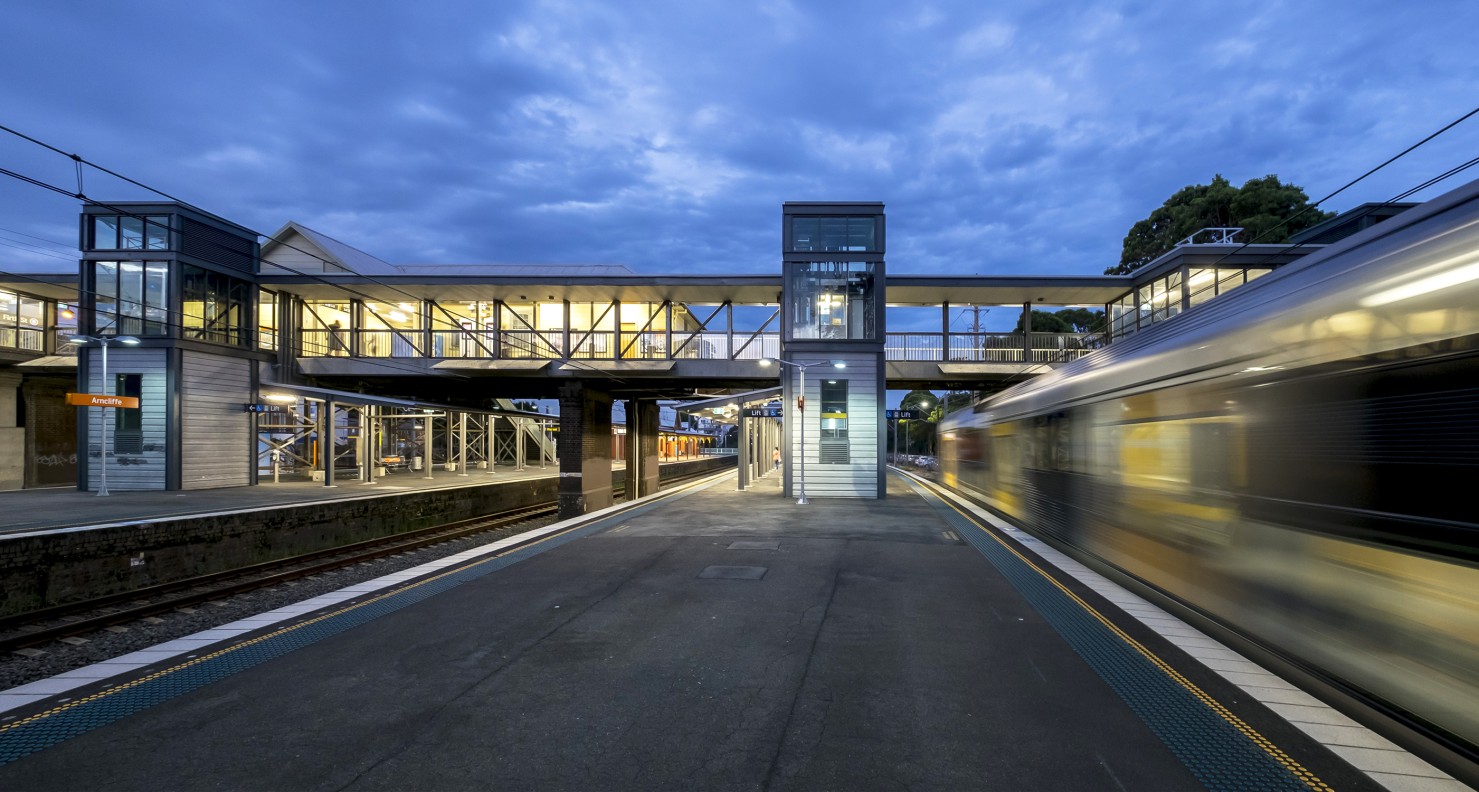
{"x": 1291, "y": 460}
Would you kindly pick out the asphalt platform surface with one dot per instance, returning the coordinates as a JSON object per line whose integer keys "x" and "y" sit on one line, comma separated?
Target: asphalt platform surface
{"x": 720, "y": 640}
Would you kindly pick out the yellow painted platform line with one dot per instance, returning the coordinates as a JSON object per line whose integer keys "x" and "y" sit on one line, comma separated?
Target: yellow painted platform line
{"x": 1294, "y": 767}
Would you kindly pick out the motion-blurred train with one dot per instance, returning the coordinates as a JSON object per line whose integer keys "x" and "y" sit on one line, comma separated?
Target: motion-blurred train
{"x": 1297, "y": 460}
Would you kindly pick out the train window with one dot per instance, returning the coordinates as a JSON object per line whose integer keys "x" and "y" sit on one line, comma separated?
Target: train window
{"x": 1211, "y": 455}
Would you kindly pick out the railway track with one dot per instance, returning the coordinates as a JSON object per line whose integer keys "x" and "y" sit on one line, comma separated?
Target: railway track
{"x": 37, "y": 628}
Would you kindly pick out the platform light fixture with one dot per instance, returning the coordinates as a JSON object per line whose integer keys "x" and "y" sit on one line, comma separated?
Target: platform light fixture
{"x": 103, "y": 341}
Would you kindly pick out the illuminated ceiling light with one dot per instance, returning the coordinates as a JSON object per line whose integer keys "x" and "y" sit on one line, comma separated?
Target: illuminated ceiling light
{"x": 406, "y": 307}
{"x": 279, "y": 398}
{"x": 397, "y": 316}
{"x": 839, "y": 364}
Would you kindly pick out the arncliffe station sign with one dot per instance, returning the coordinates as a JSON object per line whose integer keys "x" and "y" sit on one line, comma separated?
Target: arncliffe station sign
{"x": 99, "y": 400}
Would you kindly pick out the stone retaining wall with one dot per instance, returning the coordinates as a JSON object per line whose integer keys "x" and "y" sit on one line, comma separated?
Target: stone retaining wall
{"x": 57, "y": 568}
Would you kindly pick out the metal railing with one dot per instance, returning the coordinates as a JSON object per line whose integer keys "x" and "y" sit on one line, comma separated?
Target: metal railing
{"x": 1009, "y": 348}
{"x": 27, "y": 339}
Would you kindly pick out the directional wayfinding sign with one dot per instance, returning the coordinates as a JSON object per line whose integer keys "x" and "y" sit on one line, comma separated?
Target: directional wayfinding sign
{"x": 764, "y": 412}
{"x": 99, "y": 400}
{"x": 897, "y": 415}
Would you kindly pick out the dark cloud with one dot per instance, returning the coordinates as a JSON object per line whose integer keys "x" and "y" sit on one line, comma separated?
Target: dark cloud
{"x": 1012, "y": 138}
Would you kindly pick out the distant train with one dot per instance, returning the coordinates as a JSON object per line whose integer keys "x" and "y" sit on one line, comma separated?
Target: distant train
{"x": 1297, "y": 459}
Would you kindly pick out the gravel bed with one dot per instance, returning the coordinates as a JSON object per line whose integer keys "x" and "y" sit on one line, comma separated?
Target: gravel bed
{"x": 57, "y": 656}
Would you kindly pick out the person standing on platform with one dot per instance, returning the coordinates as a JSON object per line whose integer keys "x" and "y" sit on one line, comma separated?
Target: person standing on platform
{"x": 776, "y": 457}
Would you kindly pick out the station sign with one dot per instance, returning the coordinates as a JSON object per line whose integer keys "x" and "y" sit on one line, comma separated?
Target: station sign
{"x": 258, "y": 408}
{"x": 764, "y": 412}
{"x": 900, "y": 415}
{"x": 100, "y": 400}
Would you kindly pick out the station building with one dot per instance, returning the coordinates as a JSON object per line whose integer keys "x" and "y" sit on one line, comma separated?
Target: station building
{"x": 305, "y": 356}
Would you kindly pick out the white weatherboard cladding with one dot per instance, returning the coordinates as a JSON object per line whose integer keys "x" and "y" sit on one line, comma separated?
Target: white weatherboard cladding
{"x": 858, "y": 478}
{"x": 130, "y": 471}
{"x": 216, "y": 444}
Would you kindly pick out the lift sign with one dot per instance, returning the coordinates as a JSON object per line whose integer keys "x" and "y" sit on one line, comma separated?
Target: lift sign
{"x": 763, "y": 412}
{"x": 99, "y": 400}
{"x": 898, "y": 415}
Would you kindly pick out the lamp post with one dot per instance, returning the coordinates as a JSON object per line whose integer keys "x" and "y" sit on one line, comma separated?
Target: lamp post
{"x": 801, "y": 409}
{"x": 924, "y": 404}
{"x": 103, "y": 342}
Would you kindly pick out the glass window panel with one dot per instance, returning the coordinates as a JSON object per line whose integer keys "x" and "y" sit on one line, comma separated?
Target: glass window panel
{"x": 32, "y": 317}
{"x": 1254, "y": 274}
{"x": 551, "y": 316}
{"x": 1229, "y": 279}
{"x": 326, "y": 327}
{"x": 581, "y": 316}
{"x": 131, "y": 297}
{"x": 105, "y": 232}
{"x": 832, "y": 300}
{"x": 1202, "y": 285}
{"x": 105, "y": 300}
{"x": 156, "y": 298}
{"x": 860, "y": 233}
{"x": 9, "y": 308}
{"x": 834, "y": 233}
{"x": 833, "y": 448}
{"x": 66, "y": 319}
{"x": 518, "y": 316}
{"x": 156, "y": 233}
{"x": 131, "y": 233}
{"x": 266, "y": 319}
{"x": 450, "y": 315}
{"x": 805, "y": 232}
{"x": 406, "y": 315}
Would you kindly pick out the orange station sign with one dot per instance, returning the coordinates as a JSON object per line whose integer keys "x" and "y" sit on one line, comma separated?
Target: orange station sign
{"x": 98, "y": 400}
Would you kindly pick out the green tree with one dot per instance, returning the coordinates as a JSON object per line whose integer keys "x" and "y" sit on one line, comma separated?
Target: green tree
{"x": 917, "y": 436}
{"x": 1067, "y": 320}
{"x": 920, "y": 401}
{"x": 1258, "y": 207}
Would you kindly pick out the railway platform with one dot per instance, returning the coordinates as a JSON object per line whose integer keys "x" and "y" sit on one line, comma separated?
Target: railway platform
{"x": 705, "y": 638}
{"x": 65, "y": 507}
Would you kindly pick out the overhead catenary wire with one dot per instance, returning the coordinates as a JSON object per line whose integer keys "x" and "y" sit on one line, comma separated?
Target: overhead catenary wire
{"x": 341, "y": 287}
{"x": 80, "y": 195}
{"x": 1011, "y": 380}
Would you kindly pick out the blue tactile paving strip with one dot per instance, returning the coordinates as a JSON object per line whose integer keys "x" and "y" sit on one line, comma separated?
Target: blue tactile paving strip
{"x": 1224, "y": 753}
{"x": 65, "y": 721}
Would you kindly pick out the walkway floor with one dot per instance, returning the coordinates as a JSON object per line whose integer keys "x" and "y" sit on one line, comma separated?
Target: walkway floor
{"x": 710, "y": 639}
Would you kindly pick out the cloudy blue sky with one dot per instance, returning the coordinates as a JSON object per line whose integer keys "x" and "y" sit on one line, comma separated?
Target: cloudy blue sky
{"x": 1006, "y": 138}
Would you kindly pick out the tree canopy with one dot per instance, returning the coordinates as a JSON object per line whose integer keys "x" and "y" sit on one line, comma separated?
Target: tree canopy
{"x": 1258, "y": 207}
{"x": 1067, "y": 320}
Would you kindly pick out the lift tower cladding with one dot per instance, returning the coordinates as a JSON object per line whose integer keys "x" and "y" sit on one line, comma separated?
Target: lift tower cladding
{"x": 833, "y": 313}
